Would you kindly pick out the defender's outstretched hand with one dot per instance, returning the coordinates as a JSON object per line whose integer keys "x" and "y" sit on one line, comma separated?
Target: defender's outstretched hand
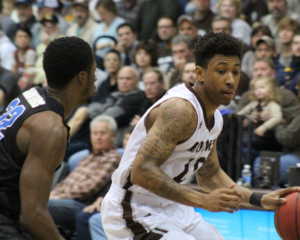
{"x": 273, "y": 199}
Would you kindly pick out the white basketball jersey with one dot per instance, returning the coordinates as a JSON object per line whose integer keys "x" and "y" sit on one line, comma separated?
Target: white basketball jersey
{"x": 187, "y": 157}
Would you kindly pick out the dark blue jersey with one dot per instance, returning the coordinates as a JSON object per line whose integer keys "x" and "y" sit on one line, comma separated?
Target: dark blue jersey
{"x": 11, "y": 158}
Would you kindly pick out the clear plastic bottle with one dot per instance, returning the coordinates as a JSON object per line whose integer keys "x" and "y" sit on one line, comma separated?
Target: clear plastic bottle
{"x": 246, "y": 175}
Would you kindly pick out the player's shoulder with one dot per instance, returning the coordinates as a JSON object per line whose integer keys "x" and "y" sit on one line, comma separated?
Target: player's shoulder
{"x": 46, "y": 122}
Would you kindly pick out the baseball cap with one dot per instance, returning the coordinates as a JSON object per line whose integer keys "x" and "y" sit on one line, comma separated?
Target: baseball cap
{"x": 47, "y": 3}
{"x": 49, "y": 20}
{"x": 83, "y": 3}
{"x": 267, "y": 40}
{"x": 188, "y": 18}
{"x": 25, "y": 2}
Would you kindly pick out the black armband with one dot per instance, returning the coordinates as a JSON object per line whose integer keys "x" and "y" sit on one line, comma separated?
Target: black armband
{"x": 255, "y": 199}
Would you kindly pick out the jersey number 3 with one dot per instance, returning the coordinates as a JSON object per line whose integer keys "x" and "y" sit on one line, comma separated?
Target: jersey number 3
{"x": 13, "y": 111}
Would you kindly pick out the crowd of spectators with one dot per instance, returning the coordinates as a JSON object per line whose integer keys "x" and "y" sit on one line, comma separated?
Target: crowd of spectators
{"x": 142, "y": 49}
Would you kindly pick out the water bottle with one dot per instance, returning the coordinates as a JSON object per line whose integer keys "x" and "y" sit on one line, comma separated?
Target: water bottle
{"x": 246, "y": 175}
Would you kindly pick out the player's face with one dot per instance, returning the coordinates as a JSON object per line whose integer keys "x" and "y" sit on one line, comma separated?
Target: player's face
{"x": 101, "y": 137}
{"x": 220, "y": 79}
{"x": 90, "y": 89}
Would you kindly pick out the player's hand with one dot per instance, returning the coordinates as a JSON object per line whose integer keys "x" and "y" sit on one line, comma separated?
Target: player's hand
{"x": 275, "y": 198}
{"x": 224, "y": 200}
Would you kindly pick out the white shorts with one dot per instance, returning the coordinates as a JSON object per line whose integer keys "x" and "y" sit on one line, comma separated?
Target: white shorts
{"x": 134, "y": 216}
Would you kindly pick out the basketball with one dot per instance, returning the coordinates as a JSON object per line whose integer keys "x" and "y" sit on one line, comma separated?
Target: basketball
{"x": 287, "y": 217}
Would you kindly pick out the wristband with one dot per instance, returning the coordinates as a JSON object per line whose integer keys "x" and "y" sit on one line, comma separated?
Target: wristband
{"x": 255, "y": 199}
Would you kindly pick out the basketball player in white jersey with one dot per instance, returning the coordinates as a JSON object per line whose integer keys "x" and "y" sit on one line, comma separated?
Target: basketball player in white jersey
{"x": 176, "y": 137}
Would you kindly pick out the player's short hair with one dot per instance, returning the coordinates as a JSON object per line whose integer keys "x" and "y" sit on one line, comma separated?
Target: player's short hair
{"x": 112, "y": 124}
{"x": 212, "y": 44}
{"x": 64, "y": 58}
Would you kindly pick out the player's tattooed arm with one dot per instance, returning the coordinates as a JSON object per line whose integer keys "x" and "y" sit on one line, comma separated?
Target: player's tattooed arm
{"x": 175, "y": 122}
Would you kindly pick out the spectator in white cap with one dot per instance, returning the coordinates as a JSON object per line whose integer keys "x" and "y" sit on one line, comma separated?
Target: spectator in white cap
{"x": 84, "y": 25}
{"x": 44, "y": 7}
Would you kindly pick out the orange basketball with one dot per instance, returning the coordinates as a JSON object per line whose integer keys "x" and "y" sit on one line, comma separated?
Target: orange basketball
{"x": 287, "y": 217}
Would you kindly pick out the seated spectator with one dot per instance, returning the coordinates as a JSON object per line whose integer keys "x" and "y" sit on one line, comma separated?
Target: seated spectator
{"x": 187, "y": 26}
{"x": 24, "y": 57}
{"x": 249, "y": 56}
{"x": 84, "y": 184}
{"x": 108, "y": 27}
{"x": 286, "y": 30}
{"x": 154, "y": 90}
{"x": 150, "y": 12}
{"x": 254, "y": 10}
{"x": 203, "y": 15}
{"x": 112, "y": 64}
{"x": 7, "y": 49}
{"x": 121, "y": 105}
{"x": 278, "y": 9}
{"x": 145, "y": 57}
{"x": 265, "y": 48}
{"x": 48, "y": 7}
{"x": 167, "y": 30}
{"x": 127, "y": 43}
{"x": 231, "y": 9}
{"x": 264, "y": 96}
{"x": 8, "y": 7}
{"x": 25, "y": 14}
{"x": 287, "y": 77}
{"x": 182, "y": 51}
{"x": 265, "y": 67}
{"x": 8, "y": 26}
{"x": 49, "y": 32}
{"x": 222, "y": 24}
{"x": 88, "y": 222}
{"x": 84, "y": 25}
{"x": 189, "y": 72}
{"x": 287, "y": 133}
{"x": 128, "y": 9}
{"x": 9, "y": 88}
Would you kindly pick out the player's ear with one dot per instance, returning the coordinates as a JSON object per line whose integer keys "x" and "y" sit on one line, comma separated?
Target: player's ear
{"x": 82, "y": 77}
{"x": 199, "y": 74}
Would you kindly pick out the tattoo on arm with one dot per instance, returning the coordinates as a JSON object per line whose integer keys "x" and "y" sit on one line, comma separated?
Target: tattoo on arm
{"x": 176, "y": 122}
{"x": 207, "y": 166}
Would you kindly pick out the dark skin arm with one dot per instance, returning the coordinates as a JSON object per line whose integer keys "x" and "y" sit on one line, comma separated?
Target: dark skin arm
{"x": 212, "y": 178}
{"x": 173, "y": 122}
{"x": 44, "y": 138}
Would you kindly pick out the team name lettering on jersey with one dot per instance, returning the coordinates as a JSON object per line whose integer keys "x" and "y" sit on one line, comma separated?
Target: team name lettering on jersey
{"x": 199, "y": 146}
{"x": 34, "y": 98}
{"x": 13, "y": 111}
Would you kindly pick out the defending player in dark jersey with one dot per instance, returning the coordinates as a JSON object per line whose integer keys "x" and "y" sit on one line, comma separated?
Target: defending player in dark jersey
{"x": 34, "y": 137}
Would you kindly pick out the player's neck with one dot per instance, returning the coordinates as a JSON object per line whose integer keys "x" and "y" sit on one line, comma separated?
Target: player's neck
{"x": 62, "y": 96}
{"x": 210, "y": 106}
